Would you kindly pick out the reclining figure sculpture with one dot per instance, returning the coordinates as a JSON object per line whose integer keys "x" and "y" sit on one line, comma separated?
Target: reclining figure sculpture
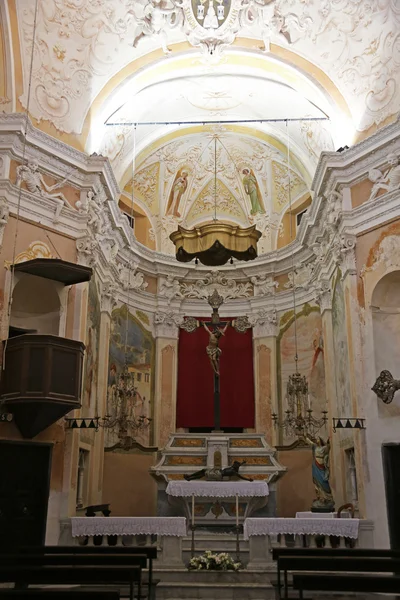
{"x": 219, "y": 474}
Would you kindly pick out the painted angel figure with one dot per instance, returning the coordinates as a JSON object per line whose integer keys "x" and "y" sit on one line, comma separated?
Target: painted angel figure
{"x": 36, "y": 185}
{"x": 154, "y": 21}
{"x": 213, "y": 350}
{"x": 252, "y": 190}
{"x": 178, "y": 189}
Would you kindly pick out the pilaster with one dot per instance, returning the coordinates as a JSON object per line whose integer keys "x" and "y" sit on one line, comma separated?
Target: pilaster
{"x": 166, "y": 333}
{"x": 265, "y": 382}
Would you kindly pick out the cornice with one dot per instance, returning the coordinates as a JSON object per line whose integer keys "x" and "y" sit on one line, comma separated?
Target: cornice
{"x": 316, "y": 252}
{"x": 348, "y": 166}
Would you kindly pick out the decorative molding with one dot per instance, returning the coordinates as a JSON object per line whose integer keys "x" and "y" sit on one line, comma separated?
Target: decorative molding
{"x": 216, "y": 280}
{"x": 323, "y": 295}
{"x": 108, "y": 296}
{"x": 264, "y": 323}
{"x": 170, "y": 288}
{"x": 167, "y": 324}
{"x": 4, "y": 215}
{"x": 264, "y": 285}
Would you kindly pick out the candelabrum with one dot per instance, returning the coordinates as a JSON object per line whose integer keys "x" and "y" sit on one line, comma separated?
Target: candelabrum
{"x": 299, "y": 420}
{"x": 125, "y": 399}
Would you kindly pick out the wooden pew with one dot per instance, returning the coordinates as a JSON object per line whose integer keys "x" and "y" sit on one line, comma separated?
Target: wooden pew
{"x": 76, "y": 550}
{"x": 277, "y": 553}
{"x": 381, "y": 584}
{"x": 58, "y": 594}
{"x": 337, "y": 563}
{"x": 24, "y": 574}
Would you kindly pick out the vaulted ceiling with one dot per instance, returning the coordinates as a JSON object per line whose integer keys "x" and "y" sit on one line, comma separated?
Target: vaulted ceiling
{"x": 135, "y": 79}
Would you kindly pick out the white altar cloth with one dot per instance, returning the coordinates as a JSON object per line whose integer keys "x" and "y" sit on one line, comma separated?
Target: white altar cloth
{"x": 163, "y": 526}
{"x": 217, "y": 489}
{"x": 314, "y": 515}
{"x": 322, "y": 526}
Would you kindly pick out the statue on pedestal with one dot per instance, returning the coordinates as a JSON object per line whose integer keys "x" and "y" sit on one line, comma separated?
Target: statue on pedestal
{"x": 320, "y": 473}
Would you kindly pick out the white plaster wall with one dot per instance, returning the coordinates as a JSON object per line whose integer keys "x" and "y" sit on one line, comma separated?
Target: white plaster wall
{"x": 382, "y": 351}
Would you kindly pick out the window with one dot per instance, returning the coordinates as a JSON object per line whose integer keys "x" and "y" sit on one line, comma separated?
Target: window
{"x": 131, "y": 219}
{"x": 351, "y": 476}
{"x": 299, "y": 217}
{"x": 139, "y": 376}
{"x": 82, "y": 478}
{"x": 146, "y": 377}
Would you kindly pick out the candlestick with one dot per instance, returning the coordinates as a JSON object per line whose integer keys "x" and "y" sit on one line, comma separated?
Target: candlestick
{"x": 237, "y": 510}
{"x": 192, "y": 510}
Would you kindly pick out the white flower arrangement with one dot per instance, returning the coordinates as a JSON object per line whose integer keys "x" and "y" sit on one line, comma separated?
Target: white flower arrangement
{"x": 213, "y": 562}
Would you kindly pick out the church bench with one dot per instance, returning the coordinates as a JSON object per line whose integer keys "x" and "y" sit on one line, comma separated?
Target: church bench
{"x": 24, "y": 575}
{"x": 381, "y": 584}
{"x": 277, "y": 553}
{"x": 373, "y": 552}
{"x": 112, "y": 551}
{"x": 314, "y": 563}
{"x": 58, "y": 594}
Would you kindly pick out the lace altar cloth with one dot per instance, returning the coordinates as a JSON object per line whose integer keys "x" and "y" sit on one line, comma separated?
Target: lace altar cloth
{"x": 312, "y": 515}
{"x": 168, "y": 526}
{"x": 321, "y": 526}
{"x": 217, "y": 489}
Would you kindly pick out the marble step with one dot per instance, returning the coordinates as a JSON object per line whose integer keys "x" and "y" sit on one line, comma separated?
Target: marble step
{"x": 185, "y": 576}
{"x": 169, "y": 590}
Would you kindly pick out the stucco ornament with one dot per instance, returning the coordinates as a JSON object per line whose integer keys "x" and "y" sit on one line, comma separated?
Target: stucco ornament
{"x": 131, "y": 278}
{"x": 300, "y": 278}
{"x": 264, "y": 323}
{"x": 155, "y": 18}
{"x": 86, "y": 247}
{"x": 226, "y": 287}
{"x": 264, "y": 285}
{"x": 334, "y": 201}
{"x": 35, "y": 183}
{"x": 170, "y": 288}
{"x": 4, "y": 214}
{"x": 388, "y": 181}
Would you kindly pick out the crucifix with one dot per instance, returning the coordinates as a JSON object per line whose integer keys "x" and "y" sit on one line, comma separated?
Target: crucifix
{"x": 216, "y": 330}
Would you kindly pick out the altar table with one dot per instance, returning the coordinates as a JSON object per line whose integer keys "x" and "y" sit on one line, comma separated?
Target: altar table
{"x": 170, "y": 531}
{"x": 162, "y": 526}
{"x": 321, "y": 526}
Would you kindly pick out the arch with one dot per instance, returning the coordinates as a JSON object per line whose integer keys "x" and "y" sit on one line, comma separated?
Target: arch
{"x": 385, "y": 307}
{"x": 36, "y": 305}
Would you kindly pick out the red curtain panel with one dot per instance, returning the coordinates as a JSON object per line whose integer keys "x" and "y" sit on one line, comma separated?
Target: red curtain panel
{"x": 195, "y": 400}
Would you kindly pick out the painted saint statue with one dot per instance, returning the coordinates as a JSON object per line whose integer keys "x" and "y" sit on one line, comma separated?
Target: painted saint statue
{"x": 321, "y": 474}
{"x": 252, "y": 190}
{"x": 178, "y": 189}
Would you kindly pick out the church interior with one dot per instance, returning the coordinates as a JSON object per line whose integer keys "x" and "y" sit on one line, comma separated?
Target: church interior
{"x": 200, "y": 282}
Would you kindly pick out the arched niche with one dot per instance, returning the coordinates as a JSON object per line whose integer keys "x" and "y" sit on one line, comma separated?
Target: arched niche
{"x": 36, "y": 305}
{"x": 385, "y": 308}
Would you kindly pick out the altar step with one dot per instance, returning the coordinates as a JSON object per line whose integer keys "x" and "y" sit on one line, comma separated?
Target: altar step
{"x": 215, "y": 543}
{"x": 213, "y": 585}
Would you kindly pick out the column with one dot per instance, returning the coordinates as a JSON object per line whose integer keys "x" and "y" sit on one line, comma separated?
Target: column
{"x": 264, "y": 351}
{"x": 167, "y": 331}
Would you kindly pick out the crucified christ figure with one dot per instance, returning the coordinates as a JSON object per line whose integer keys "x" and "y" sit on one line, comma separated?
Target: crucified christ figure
{"x": 213, "y": 350}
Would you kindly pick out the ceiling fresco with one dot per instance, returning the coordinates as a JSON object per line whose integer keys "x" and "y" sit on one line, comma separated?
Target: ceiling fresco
{"x": 136, "y": 80}
{"x": 219, "y": 174}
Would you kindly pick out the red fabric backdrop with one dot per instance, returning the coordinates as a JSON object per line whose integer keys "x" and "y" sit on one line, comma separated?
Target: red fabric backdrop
{"x": 195, "y": 401}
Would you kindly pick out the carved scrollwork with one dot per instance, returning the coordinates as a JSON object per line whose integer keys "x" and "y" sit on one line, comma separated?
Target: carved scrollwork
{"x": 386, "y": 386}
{"x": 226, "y": 287}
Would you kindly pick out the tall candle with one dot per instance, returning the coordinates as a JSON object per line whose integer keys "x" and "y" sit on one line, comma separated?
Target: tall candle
{"x": 237, "y": 510}
{"x": 192, "y": 510}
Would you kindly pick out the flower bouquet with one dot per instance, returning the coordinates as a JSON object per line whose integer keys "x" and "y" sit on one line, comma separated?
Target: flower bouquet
{"x": 213, "y": 562}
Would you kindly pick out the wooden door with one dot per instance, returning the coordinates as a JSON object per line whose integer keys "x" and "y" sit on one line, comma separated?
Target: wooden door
{"x": 24, "y": 493}
{"x": 391, "y": 471}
